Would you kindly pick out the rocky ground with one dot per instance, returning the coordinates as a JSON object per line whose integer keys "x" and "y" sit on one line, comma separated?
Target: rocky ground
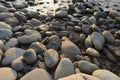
{"x": 77, "y": 40}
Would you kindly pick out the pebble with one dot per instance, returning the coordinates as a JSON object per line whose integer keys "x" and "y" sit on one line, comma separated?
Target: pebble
{"x": 61, "y": 14}
{"x": 5, "y": 34}
{"x": 103, "y": 74}
{"x": 17, "y": 28}
{"x": 69, "y": 49}
{"x": 96, "y": 28}
{"x": 31, "y": 35}
{"x": 3, "y": 25}
{"x": 114, "y": 13}
{"x": 34, "y": 22}
{"x": 54, "y": 38}
{"x": 87, "y": 67}
{"x": 82, "y": 37}
{"x": 86, "y": 29}
{"x": 27, "y": 69}
{"x": 13, "y": 21}
{"x": 43, "y": 27}
{"x": 92, "y": 19}
{"x": 53, "y": 45}
{"x": 37, "y": 74}
{"x": 109, "y": 37}
{"x": 32, "y": 38}
{"x": 38, "y": 47}
{"x": 77, "y": 28}
{"x": 30, "y": 56}
{"x": 109, "y": 55}
{"x": 88, "y": 41}
{"x": 3, "y": 8}
{"x": 92, "y": 1}
{"x": 20, "y": 4}
{"x": 98, "y": 40}
{"x": 1, "y": 44}
{"x": 13, "y": 42}
{"x": 4, "y": 15}
{"x": 114, "y": 49}
{"x": 1, "y": 54}
{"x": 79, "y": 76}
{"x": 92, "y": 52}
{"x": 51, "y": 58}
{"x": 18, "y": 64}
{"x": 12, "y": 54}
{"x": 64, "y": 68}
{"x": 20, "y": 16}
{"x": 100, "y": 14}
{"x": 7, "y": 73}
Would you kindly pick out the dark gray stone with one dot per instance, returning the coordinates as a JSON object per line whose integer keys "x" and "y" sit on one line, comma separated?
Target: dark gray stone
{"x": 30, "y": 56}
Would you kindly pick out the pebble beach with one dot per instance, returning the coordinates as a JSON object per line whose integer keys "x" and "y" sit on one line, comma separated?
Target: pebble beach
{"x": 59, "y": 40}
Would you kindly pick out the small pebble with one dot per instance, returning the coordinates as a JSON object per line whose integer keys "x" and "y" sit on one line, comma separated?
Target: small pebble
{"x": 51, "y": 58}
{"x": 30, "y": 56}
{"x": 87, "y": 67}
{"x": 92, "y": 52}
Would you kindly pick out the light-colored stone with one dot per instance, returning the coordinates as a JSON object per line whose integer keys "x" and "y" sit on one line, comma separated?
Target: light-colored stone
{"x": 64, "y": 68}
{"x": 92, "y": 52}
{"x": 37, "y": 74}
{"x": 3, "y": 25}
{"x": 7, "y": 73}
{"x": 12, "y": 54}
{"x": 69, "y": 49}
{"x": 103, "y": 74}
{"x": 79, "y": 76}
{"x": 51, "y": 58}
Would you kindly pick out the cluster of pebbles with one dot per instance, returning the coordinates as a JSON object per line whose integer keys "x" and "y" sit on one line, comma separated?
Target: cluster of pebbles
{"x": 78, "y": 43}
